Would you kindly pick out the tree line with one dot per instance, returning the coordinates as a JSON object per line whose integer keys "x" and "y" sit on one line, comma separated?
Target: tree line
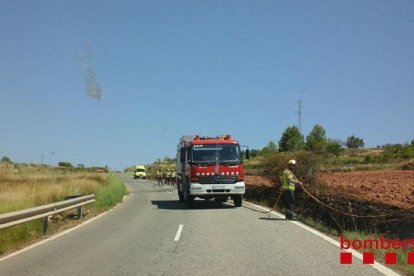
{"x": 316, "y": 141}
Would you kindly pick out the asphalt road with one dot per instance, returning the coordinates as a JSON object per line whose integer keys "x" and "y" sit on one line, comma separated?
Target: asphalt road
{"x": 141, "y": 237}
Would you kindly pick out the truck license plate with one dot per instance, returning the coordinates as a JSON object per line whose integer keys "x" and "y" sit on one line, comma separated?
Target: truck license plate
{"x": 217, "y": 187}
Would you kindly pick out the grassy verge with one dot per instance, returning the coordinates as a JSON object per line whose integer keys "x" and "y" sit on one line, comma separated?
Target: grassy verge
{"x": 16, "y": 237}
{"x": 111, "y": 194}
{"x": 33, "y": 186}
{"x": 318, "y": 225}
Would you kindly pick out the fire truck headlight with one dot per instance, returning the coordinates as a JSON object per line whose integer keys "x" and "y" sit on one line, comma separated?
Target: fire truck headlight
{"x": 239, "y": 187}
{"x": 196, "y": 188}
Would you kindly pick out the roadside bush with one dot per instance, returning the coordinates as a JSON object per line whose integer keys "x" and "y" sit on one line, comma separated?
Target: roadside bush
{"x": 6, "y": 159}
{"x": 306, "y": 165}
{"x": 396, "y": 152}
{"x": 65, "y": 164}
{"x": 368, "y": 159}
{"x": 408, "y": 166}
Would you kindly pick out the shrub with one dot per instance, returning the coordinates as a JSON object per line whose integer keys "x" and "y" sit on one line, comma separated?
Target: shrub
{"x": 396, "y": 152}
{"x": 6, "y": 159}
{"x": 334, "y": 147}
{"x": 276, "y": 163}
{"x": 65, "y": 164}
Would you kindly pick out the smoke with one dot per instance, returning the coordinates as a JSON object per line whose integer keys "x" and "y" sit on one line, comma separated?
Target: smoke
{"x": 91, "y": 84}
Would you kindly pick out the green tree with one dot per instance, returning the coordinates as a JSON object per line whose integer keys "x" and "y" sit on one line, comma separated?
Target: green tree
{"x": 167, "y": 159}
{"x": 254, "y": 152}
{"x": 354, "y": 142}
{"x": 270, "y": 147}
{"x": 412, "y": 142}
{"x": 158, "y": 161}
{"x": 334, "y": 147}
{"x": 65, "y": 164}
{"x": 291, "y": 140}
{"x": 6, "y": 159}
{"x": 316, "y": 140}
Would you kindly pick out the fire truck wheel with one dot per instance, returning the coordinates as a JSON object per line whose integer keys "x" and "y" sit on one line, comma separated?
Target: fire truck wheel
{"x": 180, "y": 197}
{"x": 188, "y": 201}
{"x": 237, "y": 200}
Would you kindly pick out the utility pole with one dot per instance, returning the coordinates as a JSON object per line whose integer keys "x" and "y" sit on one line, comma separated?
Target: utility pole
{"x": 300, "y": 107}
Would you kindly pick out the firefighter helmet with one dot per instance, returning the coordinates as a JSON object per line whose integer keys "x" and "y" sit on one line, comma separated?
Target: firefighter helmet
{"x": 292, "y": 162}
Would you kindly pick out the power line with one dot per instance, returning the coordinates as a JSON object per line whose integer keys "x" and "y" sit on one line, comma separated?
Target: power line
{"x": 300, "y": 107}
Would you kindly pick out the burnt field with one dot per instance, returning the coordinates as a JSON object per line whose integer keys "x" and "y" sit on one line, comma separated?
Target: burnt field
{"x": 379, "y": 201}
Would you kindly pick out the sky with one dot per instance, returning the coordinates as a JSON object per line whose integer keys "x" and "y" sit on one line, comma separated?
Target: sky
{"x": 117, "y": 83}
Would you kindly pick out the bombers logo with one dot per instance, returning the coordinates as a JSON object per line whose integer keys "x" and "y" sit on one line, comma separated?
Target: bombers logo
{"x": 368, "y": 246}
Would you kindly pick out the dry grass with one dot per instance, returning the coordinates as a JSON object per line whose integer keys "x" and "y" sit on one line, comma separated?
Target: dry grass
{"x": 28, "y": 186}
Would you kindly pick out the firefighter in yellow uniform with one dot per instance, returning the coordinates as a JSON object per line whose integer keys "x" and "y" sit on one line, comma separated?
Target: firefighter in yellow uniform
{"x": 167, "y": 177}
{"x": 289, "y": 182}
{"x": 159, "y": 177}
{"x": 173, "y": 175}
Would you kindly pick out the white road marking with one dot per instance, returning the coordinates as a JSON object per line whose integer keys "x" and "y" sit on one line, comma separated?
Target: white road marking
{"x": 381, "y": 268}
{"x": 180, "y": 229}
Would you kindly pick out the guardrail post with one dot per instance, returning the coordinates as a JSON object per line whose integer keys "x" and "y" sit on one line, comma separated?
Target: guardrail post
{"x": 45, "y": 225}
{"x": 45, "y": 211}
{"x": 80, "y": 215}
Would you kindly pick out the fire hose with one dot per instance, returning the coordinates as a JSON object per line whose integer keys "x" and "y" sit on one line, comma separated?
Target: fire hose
{"x": 347, "y": 213}
{"x": 327, "y": 206}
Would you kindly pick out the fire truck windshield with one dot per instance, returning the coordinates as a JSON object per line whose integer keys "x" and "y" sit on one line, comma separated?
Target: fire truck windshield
{"x": 208, "y": 154}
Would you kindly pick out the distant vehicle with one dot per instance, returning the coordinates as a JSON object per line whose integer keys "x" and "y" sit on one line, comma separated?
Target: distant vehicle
{"x": 209, "y": 167}
{"x": 140, "y": 172}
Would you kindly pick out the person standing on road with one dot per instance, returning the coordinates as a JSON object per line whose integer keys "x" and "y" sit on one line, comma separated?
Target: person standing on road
{"x": 167, "y": 177}
{"x": 289, "y": 182}
{"x": 159, "y": 177}
{"x": 173, "y": 175}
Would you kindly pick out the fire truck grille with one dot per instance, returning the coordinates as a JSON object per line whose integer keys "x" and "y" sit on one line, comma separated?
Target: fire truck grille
{"x": 223, "y": 180}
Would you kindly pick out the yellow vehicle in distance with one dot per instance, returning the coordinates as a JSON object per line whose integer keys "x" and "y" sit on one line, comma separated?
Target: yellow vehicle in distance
{"x": 140, "y": 172}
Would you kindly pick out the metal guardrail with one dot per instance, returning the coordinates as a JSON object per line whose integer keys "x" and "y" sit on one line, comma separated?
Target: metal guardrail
{"x": 44, "y": 211}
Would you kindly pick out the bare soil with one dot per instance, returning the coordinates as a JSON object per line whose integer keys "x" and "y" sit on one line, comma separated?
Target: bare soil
{"x": 255, "y": 180}
{"x": 393, "y": 187}
{"x": 368, "y": 194}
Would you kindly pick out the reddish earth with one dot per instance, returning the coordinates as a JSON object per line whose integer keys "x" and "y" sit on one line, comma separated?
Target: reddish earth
{"x": 258, "y": 180}
{"x": 394, "y": 188}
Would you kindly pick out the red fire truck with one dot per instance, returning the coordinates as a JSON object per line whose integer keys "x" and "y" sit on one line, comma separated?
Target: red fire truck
{"x": 209, "y": 167}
